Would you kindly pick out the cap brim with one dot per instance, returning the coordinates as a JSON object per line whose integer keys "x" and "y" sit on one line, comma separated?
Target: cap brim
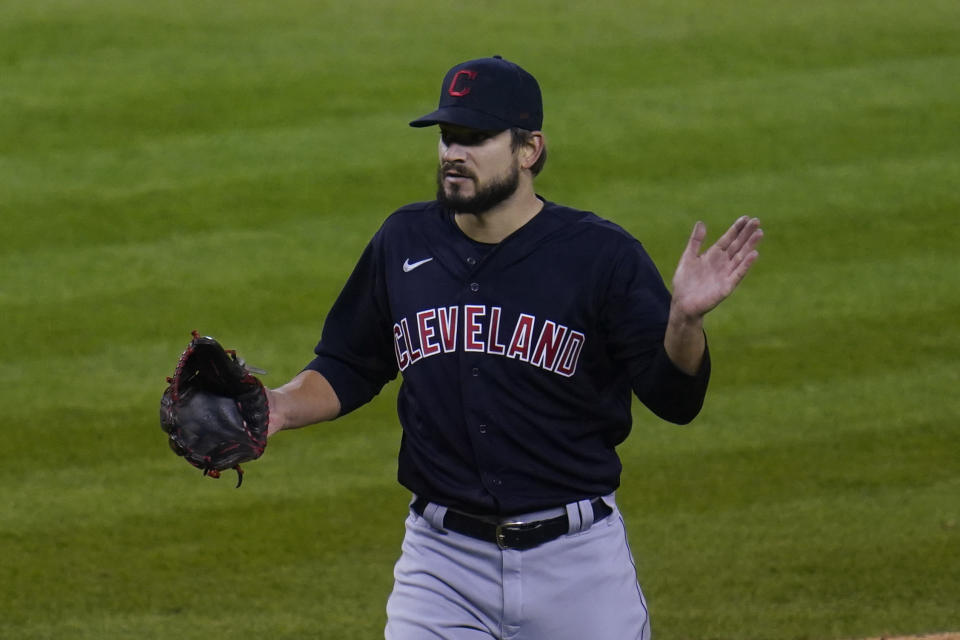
{"x": 461, "y": 117}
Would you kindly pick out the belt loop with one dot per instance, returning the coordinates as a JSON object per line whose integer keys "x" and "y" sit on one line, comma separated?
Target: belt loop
{"x": 573, "y": 515}
{"x": 434, "y": 514}
{"x": 586, "y": 514}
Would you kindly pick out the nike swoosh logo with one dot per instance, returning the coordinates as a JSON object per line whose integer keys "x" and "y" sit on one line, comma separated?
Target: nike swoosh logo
{"x": 410, "y": 266}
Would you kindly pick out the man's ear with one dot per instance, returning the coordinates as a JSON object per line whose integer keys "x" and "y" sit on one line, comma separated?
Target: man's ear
{"x": 531, "y": 149}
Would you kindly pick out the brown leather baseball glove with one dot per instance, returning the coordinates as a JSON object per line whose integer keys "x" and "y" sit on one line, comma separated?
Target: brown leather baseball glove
{"x": 214, "y": 410}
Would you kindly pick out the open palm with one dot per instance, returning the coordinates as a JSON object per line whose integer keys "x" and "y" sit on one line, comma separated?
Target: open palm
{"x": 704, "y": 280}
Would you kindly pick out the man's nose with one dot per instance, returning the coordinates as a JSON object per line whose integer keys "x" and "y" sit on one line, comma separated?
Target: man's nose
{"x": 453, "y": 153}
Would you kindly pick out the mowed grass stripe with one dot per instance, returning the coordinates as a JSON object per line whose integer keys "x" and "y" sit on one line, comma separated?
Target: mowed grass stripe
{"x": 183, "y": 544}
{"x": 357, "y": 456}
{"x": 193, "y": 186}
{"x": 179, "y": 158}
{"x": 747, "y": 417}
{"x": 771, "y": 563}
{"x": 188, "y": 260}
{"x": 844, "y": 197}
{"x": 847, "y": 195}
{"x": 847, "y": 107}
{"x": 848, "y": 465}
{"x": 816, "y": 439}
{"x": 908, "y": 197}
{"x": 854, "y": 344}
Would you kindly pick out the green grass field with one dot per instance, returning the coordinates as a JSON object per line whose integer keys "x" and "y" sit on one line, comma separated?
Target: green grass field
{"x": 180, "y": 165}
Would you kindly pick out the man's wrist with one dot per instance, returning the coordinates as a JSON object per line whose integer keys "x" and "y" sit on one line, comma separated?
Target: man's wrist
{"x": 682, "y": 318}
{"x": 684, "y": 341}
{"x": 276, "y": 419}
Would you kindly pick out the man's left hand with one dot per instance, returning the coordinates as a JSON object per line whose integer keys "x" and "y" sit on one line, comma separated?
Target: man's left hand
{"x": 702, "y": 281}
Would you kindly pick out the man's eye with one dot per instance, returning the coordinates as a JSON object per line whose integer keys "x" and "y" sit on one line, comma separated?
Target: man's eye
{"x": 470, "y": 139}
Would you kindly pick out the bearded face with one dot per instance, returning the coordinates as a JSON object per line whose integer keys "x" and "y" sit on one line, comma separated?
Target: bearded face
{"x": 460, "y": 190}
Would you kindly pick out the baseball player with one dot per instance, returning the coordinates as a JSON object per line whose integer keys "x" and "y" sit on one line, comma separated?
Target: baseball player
{"x": 521, "y": 327}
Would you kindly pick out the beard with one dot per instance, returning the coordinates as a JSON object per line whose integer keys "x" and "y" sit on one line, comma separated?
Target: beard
{"x": 484, "y": 198}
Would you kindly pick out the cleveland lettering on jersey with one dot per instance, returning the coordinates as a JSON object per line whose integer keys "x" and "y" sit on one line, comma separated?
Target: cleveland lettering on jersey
{"x": 477, "y": 328}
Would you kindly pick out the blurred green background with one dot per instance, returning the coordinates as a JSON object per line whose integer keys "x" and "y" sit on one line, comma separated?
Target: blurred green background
{"x": 211, "y": 165}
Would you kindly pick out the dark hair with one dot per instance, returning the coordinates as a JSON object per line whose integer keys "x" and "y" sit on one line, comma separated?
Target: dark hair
{"x": 519, "y": 137}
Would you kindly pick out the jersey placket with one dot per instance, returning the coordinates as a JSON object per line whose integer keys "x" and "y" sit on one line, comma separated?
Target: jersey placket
{"x": 475, "y": 371}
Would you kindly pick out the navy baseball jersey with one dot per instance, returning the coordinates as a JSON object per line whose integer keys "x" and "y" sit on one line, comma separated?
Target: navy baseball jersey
{"x": 518, "y": 359}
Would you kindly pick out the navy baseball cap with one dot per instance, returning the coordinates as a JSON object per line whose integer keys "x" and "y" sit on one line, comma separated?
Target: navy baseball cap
{"x": 492, "y": 94}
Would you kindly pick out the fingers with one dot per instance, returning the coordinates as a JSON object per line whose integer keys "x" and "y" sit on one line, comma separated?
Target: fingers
{"x": 740, "y": 239}
{"x": 739, "y": 234}
{"x": 737, "y": 245}
{"x": 745, "y": 245}
{"x": 741, "y": 269}
{"x": 746, "y": 253}
{"x": 727, "y": 240}
{"x": 695, "y": 242}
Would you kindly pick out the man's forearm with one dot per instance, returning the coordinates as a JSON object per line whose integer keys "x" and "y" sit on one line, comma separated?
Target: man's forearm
{"x": 684, "y": 341}
{"x": 305, "y": 400}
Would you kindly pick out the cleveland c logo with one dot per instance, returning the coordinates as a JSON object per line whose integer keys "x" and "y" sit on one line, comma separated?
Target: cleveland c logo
{"x": 457, "y": 88}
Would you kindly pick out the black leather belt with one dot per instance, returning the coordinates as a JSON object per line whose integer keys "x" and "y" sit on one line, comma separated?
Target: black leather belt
{"x": 511, "y": 535}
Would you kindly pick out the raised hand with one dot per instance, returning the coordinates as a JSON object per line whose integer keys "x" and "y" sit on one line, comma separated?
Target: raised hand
{"x": 704, "y": 280}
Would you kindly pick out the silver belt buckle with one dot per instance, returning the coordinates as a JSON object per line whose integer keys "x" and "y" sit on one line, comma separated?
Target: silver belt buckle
{"x": 503, "y": 527}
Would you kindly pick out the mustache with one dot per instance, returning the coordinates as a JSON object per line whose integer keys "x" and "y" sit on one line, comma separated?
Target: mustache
{"x": 453, "y": 169}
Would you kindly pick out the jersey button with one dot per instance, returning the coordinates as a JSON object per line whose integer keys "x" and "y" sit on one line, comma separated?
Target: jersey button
{"x": 483, "y": 428}
{"x": 475, "y": 371}
{"x": 471, "y": 261}
{"x": 474, "y": 287}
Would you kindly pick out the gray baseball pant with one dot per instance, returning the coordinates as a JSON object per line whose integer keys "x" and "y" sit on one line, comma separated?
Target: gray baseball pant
{"x": 581, "y": 586}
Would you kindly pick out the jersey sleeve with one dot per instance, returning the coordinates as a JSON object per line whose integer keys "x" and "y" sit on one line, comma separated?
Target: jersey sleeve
{"x": 635, "y": 317}
{"x": 355, "y": 353}
{"x": 671, "y": 393}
